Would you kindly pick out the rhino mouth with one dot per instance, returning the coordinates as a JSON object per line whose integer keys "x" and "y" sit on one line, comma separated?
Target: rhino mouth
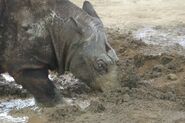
{"x": 108, "y": 81}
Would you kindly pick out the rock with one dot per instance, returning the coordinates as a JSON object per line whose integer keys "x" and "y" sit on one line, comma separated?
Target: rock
{"x": 126, "y": 98}
{"x": 172, "y": 77}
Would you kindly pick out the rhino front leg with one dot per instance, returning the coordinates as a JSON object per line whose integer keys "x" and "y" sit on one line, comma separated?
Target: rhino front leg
{"x": 37, "y": 83}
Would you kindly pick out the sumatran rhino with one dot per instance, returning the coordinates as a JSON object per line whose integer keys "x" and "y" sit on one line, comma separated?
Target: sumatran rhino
{"x": 41, "y": 35}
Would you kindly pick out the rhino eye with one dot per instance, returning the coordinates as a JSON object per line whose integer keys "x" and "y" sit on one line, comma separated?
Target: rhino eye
{"x": 101, "y": 66}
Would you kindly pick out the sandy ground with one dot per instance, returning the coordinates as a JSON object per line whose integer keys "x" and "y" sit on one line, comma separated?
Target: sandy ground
{"x": 149, "y": 38}
{"x": 139, "y": 12}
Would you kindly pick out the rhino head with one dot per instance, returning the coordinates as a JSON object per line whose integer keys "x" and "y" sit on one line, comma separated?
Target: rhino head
{"x": 89, "y": 57}
{"x": 95, "y": 60}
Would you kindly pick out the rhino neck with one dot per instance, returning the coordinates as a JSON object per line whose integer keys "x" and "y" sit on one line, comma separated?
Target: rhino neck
{"x": 70, "y": 54}
{"x": 66, "y": 45}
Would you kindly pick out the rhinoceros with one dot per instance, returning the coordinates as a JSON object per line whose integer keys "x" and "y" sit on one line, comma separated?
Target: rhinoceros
{"x": 41, "y": 35}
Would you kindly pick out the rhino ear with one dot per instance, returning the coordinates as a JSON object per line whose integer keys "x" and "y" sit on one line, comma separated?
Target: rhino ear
{"x": 88, "y": 7}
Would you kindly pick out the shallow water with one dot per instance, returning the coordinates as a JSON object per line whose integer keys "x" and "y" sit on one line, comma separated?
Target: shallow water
{"x": 16, "y": 104}
{"x": 33, "y": 112}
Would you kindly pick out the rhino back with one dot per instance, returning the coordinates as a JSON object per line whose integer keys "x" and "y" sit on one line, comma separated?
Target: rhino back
{"x": 27, "y": 41}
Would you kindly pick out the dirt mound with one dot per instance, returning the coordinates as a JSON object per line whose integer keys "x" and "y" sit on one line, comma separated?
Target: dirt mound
{"x": 10, "y": 88}
{"x": 68, "y": 85}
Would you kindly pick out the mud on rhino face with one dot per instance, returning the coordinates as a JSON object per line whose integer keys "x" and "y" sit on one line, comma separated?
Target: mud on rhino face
{"x": 95, "y": 60}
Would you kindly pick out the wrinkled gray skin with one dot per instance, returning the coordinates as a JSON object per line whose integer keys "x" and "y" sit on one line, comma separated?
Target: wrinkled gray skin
{"x": 37, "y": 36}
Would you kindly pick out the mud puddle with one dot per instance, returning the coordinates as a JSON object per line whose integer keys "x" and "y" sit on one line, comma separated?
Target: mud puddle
{"x": 26, "y": 110}
{"x": 9, "y": 104}
{"x": 6, "y": 106}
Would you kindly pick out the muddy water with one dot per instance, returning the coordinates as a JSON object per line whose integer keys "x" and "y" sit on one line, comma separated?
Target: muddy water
{"x": 7, "y": 105}
{"x": 25, "y": 110}
{"x": 15, "y": 104}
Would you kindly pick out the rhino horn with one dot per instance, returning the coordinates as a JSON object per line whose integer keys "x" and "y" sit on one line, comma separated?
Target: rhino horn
{"x": 88, "y": 7}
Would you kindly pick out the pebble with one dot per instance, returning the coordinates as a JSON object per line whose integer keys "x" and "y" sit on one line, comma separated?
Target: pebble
{"x": 126, "y": 98}
{"x": 172, "y": 77}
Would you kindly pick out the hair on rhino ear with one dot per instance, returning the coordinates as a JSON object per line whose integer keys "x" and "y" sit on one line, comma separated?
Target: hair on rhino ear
{"x": 88, "y": 7}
